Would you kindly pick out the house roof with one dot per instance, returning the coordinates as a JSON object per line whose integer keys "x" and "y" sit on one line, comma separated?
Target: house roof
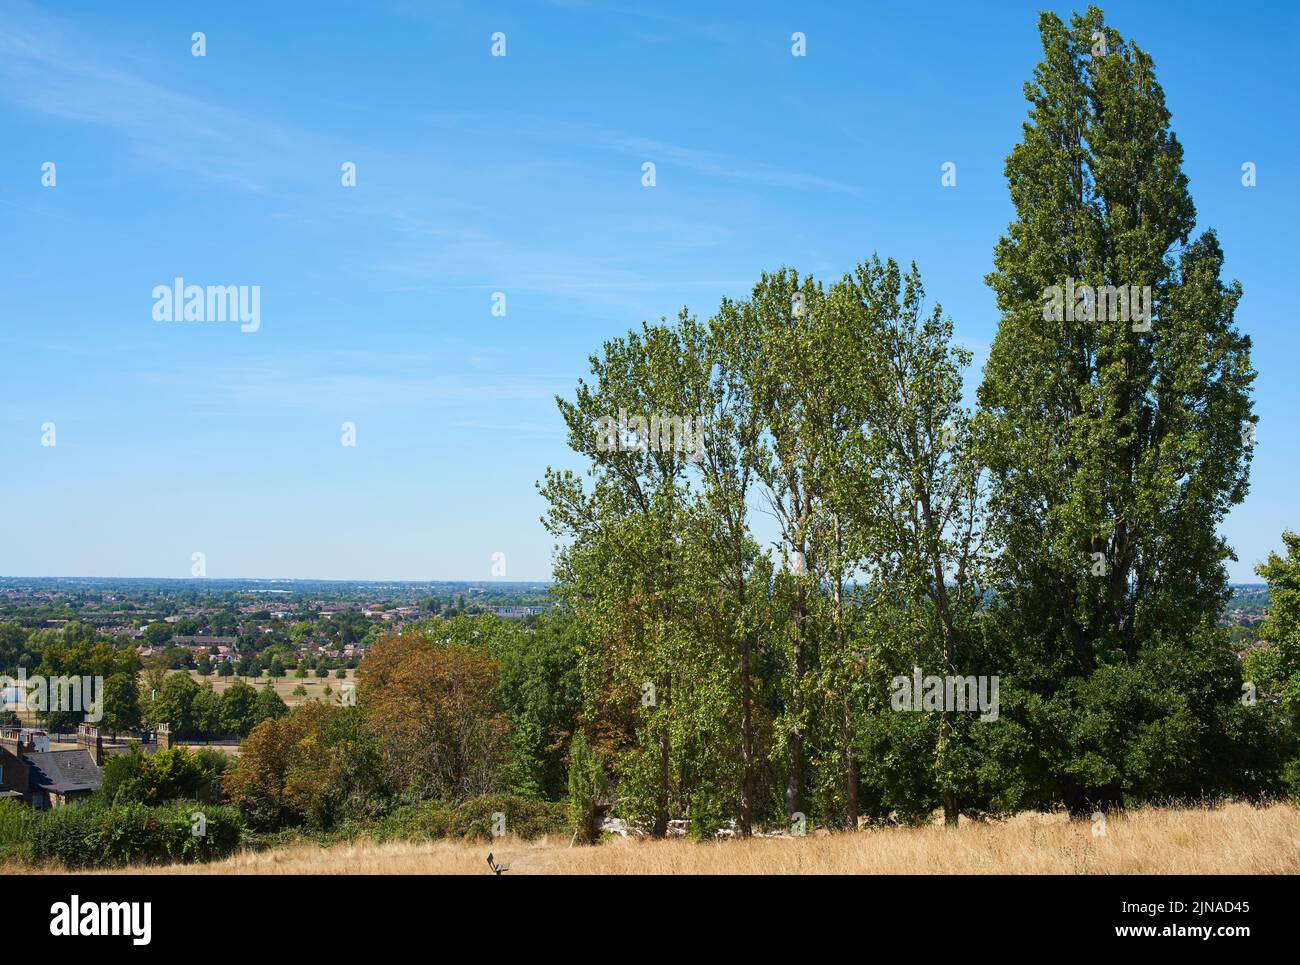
{"x": 62, "y": 771}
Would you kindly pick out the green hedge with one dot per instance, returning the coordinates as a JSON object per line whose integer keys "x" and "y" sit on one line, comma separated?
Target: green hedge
{"x": 79, "y": 836}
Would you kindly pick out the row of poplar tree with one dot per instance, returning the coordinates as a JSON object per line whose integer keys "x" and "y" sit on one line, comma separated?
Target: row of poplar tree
{"x": 1061, "y": 536}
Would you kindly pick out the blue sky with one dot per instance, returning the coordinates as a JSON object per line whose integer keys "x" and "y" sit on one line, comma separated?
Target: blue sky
{"x": 519, "y": 174}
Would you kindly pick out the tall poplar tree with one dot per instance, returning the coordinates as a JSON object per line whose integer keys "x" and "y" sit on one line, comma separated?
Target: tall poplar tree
{"x": 795, "y": 401}
{"x": 722, "y": 405}
{"x": 633, "y": 575}
{"x": 917, "y": 494}
{"x": 1115, "y": 430}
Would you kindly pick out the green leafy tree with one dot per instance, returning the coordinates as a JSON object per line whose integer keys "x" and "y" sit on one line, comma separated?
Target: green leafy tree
{"x": 788, "y": 316}
{"x": 624, "y": 572}
{"x": 205, "y": 711}
{"x": 909, "y": 484}
{"x": 586, "y": 790}
{"x": 238, "y": 714}
{"x": 1113, "y": 431}
{"x": 76, "y": 652}
{"x": 174, "y": 704}
{"x": 540, "y": 690}
{"x": 269, "y": 704}
{"x": 121, "y": 704}
{"x": 737, "y": 575}
{"x": 14, "y": 651}
{"x": 1274, "y": 670}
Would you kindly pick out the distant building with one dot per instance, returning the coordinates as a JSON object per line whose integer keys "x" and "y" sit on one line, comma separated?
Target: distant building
{"x": 36, "y": 775}
{"x": 516, "y": 612}
{"x": 204, "y": 642}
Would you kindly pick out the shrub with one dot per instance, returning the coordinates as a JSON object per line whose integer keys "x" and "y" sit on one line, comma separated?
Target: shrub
{"x": 16, "y": 823}
{"x": 525, "y": 817}
{"x": 164, "y": 776}
{"x": 586, "y": 790}
{"x": 471, "y": 820}
{"x": 423, "y": 821}
{"x": 87, "y": 835}
{"x": 65, "y": 835}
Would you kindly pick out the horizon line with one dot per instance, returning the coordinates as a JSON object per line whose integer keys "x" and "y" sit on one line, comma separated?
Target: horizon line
{"x": 270, "y": 579}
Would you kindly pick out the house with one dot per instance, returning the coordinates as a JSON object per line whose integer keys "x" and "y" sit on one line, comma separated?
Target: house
{"x": 133, "y": 633}
{"x": 515, "y": 612}
{"x": 32, "y": 773}
{"x": 203, "y": 642}
{"x": 36, "y": 775}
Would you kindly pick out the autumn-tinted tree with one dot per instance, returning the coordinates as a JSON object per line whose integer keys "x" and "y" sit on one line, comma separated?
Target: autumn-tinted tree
{"x": 311, "y": 768}
{"x": 433, "y": 713}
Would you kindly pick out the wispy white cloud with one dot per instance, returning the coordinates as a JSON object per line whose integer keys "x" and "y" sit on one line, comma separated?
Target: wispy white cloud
{"x": 725, "y": 166}
{"x": 712, "y": 163}
{"x": 425, "y": 232}
{"x": 357, "y": 382}
{"x": 48, "y": 68}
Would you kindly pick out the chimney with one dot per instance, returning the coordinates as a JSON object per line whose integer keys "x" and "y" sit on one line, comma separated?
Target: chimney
{"x": 89, "y": 738}
{"x": 164, "y": 737}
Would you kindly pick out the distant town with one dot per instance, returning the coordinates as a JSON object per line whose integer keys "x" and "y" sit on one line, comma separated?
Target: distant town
{"x": 254, "y": 627}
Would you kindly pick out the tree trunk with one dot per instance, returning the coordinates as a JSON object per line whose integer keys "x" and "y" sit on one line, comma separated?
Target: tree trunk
{"x": 794, "y": 782}
{"x": 660, "y": 828}
{"x": 746, "y": 742}
{"x": 950, "y": 810}
{"x": 1083, "y": 802}
{"x": 850, "y": 754}
{"x": 943, "y": 603}
{"x": 850, "y": 773}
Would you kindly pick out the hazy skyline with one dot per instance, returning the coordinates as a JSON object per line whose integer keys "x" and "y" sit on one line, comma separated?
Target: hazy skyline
{"x": 522, "y": 175}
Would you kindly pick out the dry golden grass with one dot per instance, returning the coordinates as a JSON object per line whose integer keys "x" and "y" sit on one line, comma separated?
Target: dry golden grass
{"x": 1235, "y": 839}
{"x": 284, "y": 686}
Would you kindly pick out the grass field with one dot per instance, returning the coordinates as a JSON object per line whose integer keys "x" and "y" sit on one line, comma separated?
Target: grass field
{"x": 284, "y": 686}
{"x": 1235, "y": 839}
